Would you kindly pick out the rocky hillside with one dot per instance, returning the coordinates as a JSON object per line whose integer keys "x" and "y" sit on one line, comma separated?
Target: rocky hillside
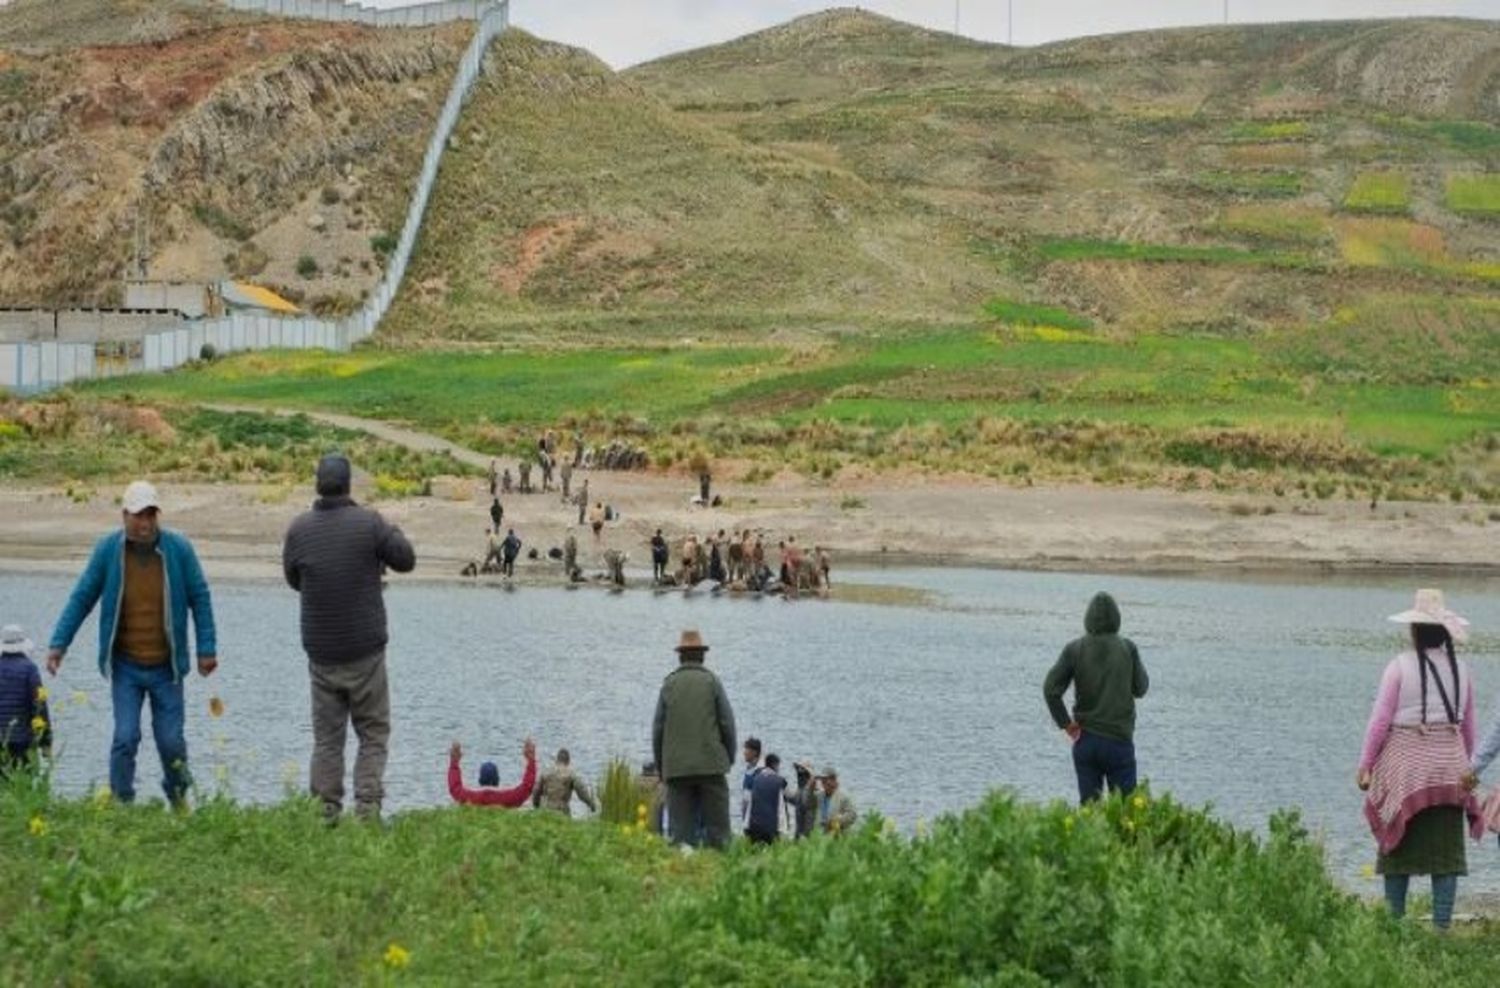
{"x": 843, "y": 170}
{"x": 267, "y": 148}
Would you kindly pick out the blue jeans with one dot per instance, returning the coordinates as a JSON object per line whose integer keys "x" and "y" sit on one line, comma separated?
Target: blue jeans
{"x": 130, "y": 685}
{"x": 1099, "y": 759}
{"x": 1444, "y": 892}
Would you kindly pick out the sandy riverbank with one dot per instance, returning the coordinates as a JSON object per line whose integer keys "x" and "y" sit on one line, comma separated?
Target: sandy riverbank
{"x": 238, "y": 529}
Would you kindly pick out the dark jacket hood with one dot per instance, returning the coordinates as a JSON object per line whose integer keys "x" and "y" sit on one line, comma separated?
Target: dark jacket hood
{"x": 1103, "y": 616}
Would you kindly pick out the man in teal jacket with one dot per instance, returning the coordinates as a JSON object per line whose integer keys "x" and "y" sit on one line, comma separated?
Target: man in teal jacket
{"x": 1107, "y": 676}
{"x": 148, "y": 579}
{"x": 692, "y": 738}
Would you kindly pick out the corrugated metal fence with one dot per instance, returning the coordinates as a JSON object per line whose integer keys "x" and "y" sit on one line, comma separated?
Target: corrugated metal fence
{"x": 32, "y": 367}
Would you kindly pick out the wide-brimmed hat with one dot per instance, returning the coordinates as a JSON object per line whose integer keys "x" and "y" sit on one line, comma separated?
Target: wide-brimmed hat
{"x": 691, "y": 641}
{"x": 1428, "y": 608}
{"x": 13, "y": 639}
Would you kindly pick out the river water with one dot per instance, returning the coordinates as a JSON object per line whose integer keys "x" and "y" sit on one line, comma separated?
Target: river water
{"x": 1259, "y": 689}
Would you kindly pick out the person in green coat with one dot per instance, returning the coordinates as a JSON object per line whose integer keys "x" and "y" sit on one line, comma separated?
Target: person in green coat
{"x": 693, "y": 740}
{"x": 1107, "y": 676}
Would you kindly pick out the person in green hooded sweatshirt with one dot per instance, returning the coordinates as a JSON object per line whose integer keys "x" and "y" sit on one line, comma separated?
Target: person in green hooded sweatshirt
{"x": 1107, "y": 676}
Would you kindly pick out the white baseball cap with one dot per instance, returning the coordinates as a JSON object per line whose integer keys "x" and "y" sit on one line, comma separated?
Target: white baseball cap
{"x": 140, "y": 495}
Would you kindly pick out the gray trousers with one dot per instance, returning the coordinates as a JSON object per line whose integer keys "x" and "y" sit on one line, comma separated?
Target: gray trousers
{"x": 698, "y": 810}
{"x": 359, "y": 692}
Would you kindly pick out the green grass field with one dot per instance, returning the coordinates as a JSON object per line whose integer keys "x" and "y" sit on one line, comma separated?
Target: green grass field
{"x": 1254, "y": 184}
{"x": 1038, "y": 385}
{"x": 1137, "y": 892}
{"x": 1379, "y": 192}
{"x": 1477, "y": 194}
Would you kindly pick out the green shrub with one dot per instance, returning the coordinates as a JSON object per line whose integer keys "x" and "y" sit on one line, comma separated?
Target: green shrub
{"x": 221, "y": 222}
{"x": 1025, "y": 314}
{"x": 307, "y": 266}
{"x": 384, "y": 243}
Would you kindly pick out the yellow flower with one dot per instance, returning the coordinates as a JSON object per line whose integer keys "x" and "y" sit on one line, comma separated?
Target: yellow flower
{"x": 102, "y": 796}
{"x": 1130, "y": 825}
{"x": 1069, "y": 822}
{"x": 41, "y": 694}
{"x": 640, "y": 809}
{"x": 640, "y": 824}
{"x": 80, "y": 698}
{"x": 38, "y": 827}
{"x": 1368, "y": 871}
{"x": 215, "y": 707}
{"x": 625, "y": 829}
{"x": 1139, "y": 802}
{"x": 38, "y": 725}
{"x": 397, "y": 956}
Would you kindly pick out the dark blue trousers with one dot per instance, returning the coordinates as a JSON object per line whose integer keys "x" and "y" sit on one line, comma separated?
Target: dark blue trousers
{"x": 1098, "y": 760}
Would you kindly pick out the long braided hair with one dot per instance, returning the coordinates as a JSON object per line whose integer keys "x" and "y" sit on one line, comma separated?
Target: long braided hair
{"x": 1430, "y": 637}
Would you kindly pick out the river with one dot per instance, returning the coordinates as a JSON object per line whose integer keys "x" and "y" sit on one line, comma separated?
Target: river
{"x": 1260, "y": 688}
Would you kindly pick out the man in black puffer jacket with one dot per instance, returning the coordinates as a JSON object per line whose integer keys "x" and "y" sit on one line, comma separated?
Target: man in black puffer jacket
{"x": 334, "y": 557}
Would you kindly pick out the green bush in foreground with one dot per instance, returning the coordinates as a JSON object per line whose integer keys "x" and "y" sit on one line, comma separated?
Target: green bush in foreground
{"x": 1139, "y": 892}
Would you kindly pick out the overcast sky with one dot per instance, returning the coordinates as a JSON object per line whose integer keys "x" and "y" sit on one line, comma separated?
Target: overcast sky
{"x": 624, "y": 32}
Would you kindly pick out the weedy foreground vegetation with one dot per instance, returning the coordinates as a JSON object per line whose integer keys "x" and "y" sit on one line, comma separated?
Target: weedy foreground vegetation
{"x": 1008, "y": 893}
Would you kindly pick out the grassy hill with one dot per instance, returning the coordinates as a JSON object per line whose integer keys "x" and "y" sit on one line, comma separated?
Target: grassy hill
{"x": 571, "y": 194}
{"x": 1204, "y": 256}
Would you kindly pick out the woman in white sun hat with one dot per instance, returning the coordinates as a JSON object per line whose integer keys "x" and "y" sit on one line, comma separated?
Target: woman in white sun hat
{"x": 1415, "y": 763}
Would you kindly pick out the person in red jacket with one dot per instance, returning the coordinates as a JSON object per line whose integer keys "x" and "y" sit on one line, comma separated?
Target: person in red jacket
{"x": 489, "y": 792}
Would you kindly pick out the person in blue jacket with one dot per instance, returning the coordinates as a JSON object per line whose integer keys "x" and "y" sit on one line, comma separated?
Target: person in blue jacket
{"x": 148, "y": 580}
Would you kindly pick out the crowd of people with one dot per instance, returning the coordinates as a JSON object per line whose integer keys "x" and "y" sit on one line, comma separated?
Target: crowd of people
{"x": 1419, "y": 766}
{"x": 736, "y": 562}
